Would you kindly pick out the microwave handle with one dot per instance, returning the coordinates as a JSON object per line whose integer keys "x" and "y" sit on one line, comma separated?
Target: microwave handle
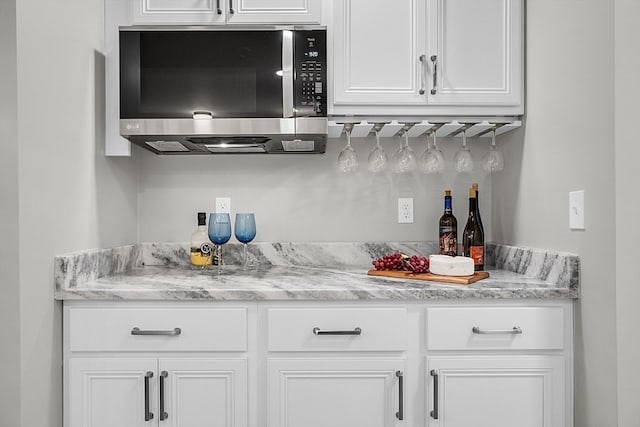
{"x": 287, "y": 74}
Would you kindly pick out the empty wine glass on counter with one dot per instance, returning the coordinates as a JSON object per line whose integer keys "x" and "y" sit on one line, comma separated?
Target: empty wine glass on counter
{"x": 463, "y": 159}
{"x": 404, "y": 160}
{"x": 219, "y": 233}
{"x": 378, "y": 159}
{"x": 348, "y": 159}
{"x": 245, "y": 231}
{"x": 432, "y": 160}
{"x": 493, "y": 161}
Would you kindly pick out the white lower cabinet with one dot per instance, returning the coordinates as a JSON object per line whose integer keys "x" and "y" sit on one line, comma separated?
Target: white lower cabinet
{"x": 318, "y": 364}
{"x": 496, "y": 391}
{"x": 107, "y": 392}
{"x": 310, "y": 392}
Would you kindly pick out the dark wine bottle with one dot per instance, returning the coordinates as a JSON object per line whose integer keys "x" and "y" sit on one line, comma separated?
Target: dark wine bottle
{"x": 473, "y": 236}
{"x": 475, "y": 187}
{"x": 448, "y": 229}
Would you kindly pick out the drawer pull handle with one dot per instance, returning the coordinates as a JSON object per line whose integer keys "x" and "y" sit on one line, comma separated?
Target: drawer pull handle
{"x": 318, "y": 331}
{"x": 400, "y": 413}
{"x": 514, "y": 331}
{"x": 147, "y": 415}
{"x": 163, "y": 413}
{"x": 172, "y": 333}
{"x": 434, "y": 413}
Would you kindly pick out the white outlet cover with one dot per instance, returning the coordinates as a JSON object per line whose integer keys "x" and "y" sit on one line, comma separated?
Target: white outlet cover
{"x": 223, "y": 205}
{"x": 576, "y": 210}
{"x": 405, "y": 210}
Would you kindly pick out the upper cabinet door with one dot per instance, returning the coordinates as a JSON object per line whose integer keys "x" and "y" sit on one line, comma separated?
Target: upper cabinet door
{"x": 273, "y": 11}
{"x": 475, "y": 52}
{"x": 376, "y": 49}
{"x": 208, "y": 12}
{"x": 212, "y": 12}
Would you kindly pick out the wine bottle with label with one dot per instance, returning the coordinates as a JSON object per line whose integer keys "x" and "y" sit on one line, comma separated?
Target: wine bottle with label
{"x": 201, "y": 246}
{"x": 475, "y": 187}
{"x": 473, "y": 236}
{"x": 448, "y": 229}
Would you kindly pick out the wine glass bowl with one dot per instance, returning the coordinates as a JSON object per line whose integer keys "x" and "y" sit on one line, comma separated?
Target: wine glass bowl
{"x": 404, "y": 160}
{"x": 245, "y": 232}
{"x": 219, "y": 232}
{"x": 493, "y": 161}
{"x": 463, "y": 160}
{"x": 378, "y": 160}
{"x": 432, "y": 160}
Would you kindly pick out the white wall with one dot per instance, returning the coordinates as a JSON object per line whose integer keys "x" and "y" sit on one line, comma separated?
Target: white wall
{"x": 9, "y": 240}
{"x": 304, "y": 197}
{"x": 70, "y": 196}
{"x": 567, "y": 145}
{"x": 627, "y": 153}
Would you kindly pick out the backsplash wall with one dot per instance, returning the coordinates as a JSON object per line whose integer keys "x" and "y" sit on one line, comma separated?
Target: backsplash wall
{"x": 304, "y": 197}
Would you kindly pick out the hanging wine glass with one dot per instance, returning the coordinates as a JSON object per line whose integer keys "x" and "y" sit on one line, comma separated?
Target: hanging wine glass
{"x": 404, "y": 161}
{"x": 378, "y": 160}
{"x": 432, "y": 160}
{"x": 463, "y": 159}
{"x": 493, "y": 161}
{"x": 348, "y": 159}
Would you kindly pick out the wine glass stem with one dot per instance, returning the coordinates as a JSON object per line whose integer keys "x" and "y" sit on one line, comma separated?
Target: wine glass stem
{"x": 246, "y": 258}
{"x": 219, "y": 250}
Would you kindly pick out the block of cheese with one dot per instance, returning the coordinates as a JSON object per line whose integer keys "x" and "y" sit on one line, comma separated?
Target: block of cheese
{"x": 446, "y": 265}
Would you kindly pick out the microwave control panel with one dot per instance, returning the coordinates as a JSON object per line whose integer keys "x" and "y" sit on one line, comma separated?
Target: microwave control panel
{"x": 310, "y": 63}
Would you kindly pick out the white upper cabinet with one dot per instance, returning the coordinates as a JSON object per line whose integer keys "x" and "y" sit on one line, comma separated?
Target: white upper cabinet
{"x": 376, "y": 46}
{"x": 213, "y": 12}
{"x": 427, "y": 57}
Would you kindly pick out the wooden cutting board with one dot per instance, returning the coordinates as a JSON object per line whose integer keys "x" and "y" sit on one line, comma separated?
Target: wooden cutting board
{"x": 461, "y": 280}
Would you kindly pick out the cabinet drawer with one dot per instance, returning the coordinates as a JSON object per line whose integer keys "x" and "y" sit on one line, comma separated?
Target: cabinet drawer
{"x": 200, "y": 329}
{"x": 495, "y": 328}
{"x": 333, "y": 329}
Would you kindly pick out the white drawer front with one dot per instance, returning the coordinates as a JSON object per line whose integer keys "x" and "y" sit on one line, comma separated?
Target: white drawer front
{"x": 201, "y": 329}
{"x": 495, "y": 328}
{"x": 333, "y": 329}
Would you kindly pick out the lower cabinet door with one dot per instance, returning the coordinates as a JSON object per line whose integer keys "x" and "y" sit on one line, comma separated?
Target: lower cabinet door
{"x": 495, "y": 391}
{"x": 203, "y": 392}
{"x": 112, "y": 392}
{"x": 336, "y": 392}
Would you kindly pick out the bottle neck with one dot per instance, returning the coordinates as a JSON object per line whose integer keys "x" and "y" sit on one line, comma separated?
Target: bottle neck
{"x": 447, "y": 204}
{"x": 473, "y": 206}
{"x": 202, "y": 227}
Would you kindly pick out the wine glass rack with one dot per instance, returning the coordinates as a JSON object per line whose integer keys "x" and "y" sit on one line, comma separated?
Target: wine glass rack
{"x": 362, "y": 128}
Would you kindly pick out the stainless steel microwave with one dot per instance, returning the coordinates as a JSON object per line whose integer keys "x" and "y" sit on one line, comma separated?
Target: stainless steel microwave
{"x": 202, "y": 90}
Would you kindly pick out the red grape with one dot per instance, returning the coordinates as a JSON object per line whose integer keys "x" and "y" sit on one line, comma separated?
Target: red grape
{"x": 398, "y": 261}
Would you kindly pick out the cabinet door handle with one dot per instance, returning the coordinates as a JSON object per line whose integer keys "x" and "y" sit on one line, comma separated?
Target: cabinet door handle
{"x": 163, "y": 414}
{"x": 400, "y": 413}
{"x": 318, "y": 331}
{"x": 231, "y": 11}
{"x": 147, "y": 415}
{"x": 434, "y": 413}
{"x": 172, "y": 333}
{"x": 423, "y": 73}
{"x": 516, "y": 330}
{"x": 434, "y": 89}
{"x": 218, "y": 10}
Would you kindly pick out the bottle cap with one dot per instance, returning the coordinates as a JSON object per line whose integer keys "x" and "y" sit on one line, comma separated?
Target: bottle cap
{"x": 447, "y": 193}
{"x": 475, "y": 186}
{"x": 202, "y": 218}
{"x": 472, "y": 193}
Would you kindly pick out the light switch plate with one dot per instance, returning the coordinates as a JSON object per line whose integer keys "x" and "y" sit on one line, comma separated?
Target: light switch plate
{"x": 576, "y": 210}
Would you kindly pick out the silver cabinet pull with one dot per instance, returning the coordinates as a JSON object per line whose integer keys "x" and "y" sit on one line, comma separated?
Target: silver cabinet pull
{"x": 514, "y": 331}
{"x": 218, "y": 10}
{"x": 400, "y": 413}
{"x": 172, "y": 333}
{"x": 434, "y": 413}
{"x": 434, "y": 89}
{"x": 163, "y": 414}
{"x": 318, "y": 331}
{"x": 147, "y": 415}
{"x": 231, "y": 11}
{"x": 423, "y": 73}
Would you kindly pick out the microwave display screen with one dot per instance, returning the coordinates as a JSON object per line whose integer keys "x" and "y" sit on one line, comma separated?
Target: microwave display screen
{"x": 175, "y": 73}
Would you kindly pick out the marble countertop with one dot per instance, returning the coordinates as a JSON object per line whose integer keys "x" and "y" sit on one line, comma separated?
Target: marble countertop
{"x": 302, "y": 271}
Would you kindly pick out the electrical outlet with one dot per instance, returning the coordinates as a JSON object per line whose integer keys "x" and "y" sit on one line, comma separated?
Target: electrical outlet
{"x": 223, "y": 205}
{"x": 405, "y": 210}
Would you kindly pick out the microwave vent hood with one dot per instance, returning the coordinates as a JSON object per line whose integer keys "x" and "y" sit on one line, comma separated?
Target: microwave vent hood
{"x": 306, "y": 135}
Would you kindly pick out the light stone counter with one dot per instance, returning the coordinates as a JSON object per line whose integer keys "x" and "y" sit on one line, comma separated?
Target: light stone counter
{"x": 302, "y": 271}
